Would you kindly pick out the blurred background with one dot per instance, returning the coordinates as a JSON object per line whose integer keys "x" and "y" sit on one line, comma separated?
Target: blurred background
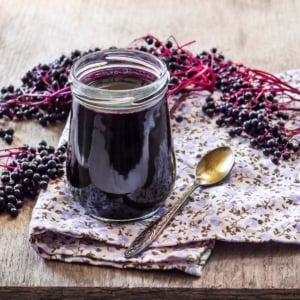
{"x": 261, "y": 33}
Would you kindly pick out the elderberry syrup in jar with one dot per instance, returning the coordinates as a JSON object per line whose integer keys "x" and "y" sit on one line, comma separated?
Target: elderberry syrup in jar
{"x": 120, "y": 164}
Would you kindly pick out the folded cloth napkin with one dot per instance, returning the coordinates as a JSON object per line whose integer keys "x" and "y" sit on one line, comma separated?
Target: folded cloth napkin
{"x": 258, "y": 202}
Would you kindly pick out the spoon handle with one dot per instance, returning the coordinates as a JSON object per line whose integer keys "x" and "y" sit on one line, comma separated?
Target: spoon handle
{"x": 150, "y": 233}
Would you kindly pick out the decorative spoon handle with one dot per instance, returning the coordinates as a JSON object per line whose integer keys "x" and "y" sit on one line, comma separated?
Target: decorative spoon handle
{"x": 151, "y": 232}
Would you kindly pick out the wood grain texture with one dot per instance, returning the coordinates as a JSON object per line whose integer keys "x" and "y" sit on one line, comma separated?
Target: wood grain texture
{"x": 261, "y": 33}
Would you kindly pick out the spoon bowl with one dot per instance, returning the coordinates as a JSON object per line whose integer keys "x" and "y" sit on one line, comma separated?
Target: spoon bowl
{"x": 211, "y": 169}
{"x": 214, "y": 166}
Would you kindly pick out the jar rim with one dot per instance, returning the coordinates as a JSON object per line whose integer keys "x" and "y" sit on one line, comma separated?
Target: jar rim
{"x": 150, "y": 61}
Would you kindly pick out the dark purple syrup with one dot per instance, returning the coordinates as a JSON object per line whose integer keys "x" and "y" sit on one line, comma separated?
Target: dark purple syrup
{"x": 120, "y": 165}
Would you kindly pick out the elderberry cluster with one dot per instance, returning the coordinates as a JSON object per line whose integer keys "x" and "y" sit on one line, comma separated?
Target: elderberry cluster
{"x": 44, "y": 94}
{"x": 174, "y": 58}
{"x": 183, "y": 66}
{"x": 248, "y": 103}
{"x": 29, "y": 171}
{"x": 258, "y": 122}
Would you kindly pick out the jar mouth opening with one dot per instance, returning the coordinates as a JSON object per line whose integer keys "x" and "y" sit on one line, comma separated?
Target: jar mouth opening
{"x": 108, "y": 61}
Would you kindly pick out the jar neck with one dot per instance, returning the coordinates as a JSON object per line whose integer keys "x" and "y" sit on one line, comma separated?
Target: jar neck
{"x": 108, "y": 66}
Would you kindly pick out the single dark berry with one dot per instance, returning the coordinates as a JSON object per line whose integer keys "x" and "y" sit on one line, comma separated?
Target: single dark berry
{"x": 149, "y": 40}
{"x": 10, "y": 131}
{"x": 5, "y": 172}
{"x": 62, "y": 158}
{"x": 209, "y": 112}
{"x": 275, "y": 160}
{"x": 10, "y": 88}
{"x": 11, "y": 199}
{"x": 43, "y": 184}
{"x": 266, "y": 151}
{"x": 62, "y": 148}
{"x": 51, "y": 164}
{"x": 277, "y": 154}
{"x": 44, "y": 153}
{"x": 286, "y": 156}
{"x": 296, "y": 146}
{"x": 14, "y": 212}
{"x": 5, "y": 178}
{"x": 178, "y": 119}
{"x": 18, "y": 193}
{"x": 28, "y": 173}
{"x": 51, "y": 173}
{"x": 8, "y": 138}
{"x": 45, "y": 159}
{"x": 25, "y": 166}
{"x": 32, "y": 150}
{"x": 18, "y": 186}
{"x": 253, "y": 142}
{"x": 45, "y": 177}
{"x": 32, "y": 165}
{"x": 15, "y": 175}
{"x": 232, "y": 132}
{"x": 19, "y": 203}
{"x": 36, "y": 176}
{"x": 26, "y": 181}
{"x": 60, "y": 172}
{"x": 10, "y": 206}
{"x": 42, "y": 121}
{"x": 8, "y": 189}
{"x": 271, "y": 143}
{"x": 41, "y": 168}
{"x": 51, "y": 149}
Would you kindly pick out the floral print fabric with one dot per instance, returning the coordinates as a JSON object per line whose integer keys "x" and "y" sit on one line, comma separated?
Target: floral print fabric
{"x": 258, "y": 202}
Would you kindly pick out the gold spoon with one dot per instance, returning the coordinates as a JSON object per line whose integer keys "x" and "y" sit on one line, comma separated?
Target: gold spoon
{"x": 211, "y": 169}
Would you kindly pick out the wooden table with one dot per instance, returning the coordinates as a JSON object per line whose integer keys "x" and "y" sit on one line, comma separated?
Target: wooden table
{"x": 263, "y": 34}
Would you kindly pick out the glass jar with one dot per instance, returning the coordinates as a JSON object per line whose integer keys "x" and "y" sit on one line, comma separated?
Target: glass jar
{"x": 120, "y": 163}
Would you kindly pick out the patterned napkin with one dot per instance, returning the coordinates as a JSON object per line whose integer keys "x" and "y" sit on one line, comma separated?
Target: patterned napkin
{"x": 258, "y": 202}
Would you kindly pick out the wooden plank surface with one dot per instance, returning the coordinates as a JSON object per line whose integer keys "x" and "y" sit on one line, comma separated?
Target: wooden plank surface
{"x": 261, "y": 33}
